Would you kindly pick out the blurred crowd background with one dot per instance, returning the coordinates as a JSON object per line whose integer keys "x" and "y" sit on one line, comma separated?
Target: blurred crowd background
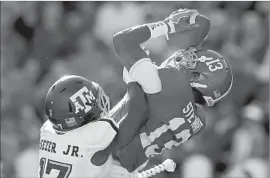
{"x": 41, "y": 41}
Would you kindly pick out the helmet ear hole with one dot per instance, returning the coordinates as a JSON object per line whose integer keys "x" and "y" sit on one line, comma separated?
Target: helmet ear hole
{"x": 198, "y": 97}
{"x": 70, "y": 107}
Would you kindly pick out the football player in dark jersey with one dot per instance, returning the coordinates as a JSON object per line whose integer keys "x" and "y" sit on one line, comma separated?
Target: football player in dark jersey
{"x": 175, "y": 91}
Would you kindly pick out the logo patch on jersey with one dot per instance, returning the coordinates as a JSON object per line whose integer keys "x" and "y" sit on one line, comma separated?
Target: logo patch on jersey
{"x": 71, "y": 121}
{"x": 196, "y": 125}
{"x": 82, "y": 100}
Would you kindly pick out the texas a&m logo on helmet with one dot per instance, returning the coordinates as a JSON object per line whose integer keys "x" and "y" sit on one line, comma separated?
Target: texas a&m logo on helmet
{"x": 83, "y": 100}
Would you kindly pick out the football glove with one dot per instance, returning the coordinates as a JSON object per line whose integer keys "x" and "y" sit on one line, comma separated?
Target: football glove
{"x": 182, "y": 20}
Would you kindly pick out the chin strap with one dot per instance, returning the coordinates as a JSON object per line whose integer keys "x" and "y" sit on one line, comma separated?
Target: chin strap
{"x": 168, "y": 165}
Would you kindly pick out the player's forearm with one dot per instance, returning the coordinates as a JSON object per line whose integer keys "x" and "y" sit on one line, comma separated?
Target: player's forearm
{"x": 131, "y": 37}
{"x": 137, "y": 35}
{"x": 136, "y": 116}
{"x": 127, "y": 43}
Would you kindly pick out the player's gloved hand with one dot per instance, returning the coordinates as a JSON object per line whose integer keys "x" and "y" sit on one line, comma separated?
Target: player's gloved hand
{"x": 182, "y": 20}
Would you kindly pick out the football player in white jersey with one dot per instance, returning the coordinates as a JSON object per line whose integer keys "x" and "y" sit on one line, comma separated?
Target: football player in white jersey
{"x": 78, "y": 127}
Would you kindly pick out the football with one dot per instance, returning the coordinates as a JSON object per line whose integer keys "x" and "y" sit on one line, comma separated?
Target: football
{"x": 190, "y": 38}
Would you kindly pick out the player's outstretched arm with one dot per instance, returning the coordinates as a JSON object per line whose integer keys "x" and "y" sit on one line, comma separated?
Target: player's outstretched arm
{"x": 132, "y": 110}
{"x": 136, "y": 116}
{"x": 127, "y": 44}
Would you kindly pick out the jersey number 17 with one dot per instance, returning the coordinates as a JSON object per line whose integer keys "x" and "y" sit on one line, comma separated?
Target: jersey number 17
{"x": 47, "y": 165}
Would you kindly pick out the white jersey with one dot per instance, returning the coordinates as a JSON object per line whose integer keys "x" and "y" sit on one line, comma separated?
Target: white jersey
{"x": 69, "y": 155}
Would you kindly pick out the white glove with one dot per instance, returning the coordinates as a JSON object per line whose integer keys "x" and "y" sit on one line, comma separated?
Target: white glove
{"x": 182, "y": 20}
{"x": 167, "y": 165}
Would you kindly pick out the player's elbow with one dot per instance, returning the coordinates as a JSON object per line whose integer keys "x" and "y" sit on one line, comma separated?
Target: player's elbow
{"x": 117, "y": 42}
{"x": 121, "y": 41}
{"x": 128, "y": 38}
{"x": 118, "y": 39}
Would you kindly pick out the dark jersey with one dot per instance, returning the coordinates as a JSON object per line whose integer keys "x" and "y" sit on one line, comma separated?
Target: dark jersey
{"x": 171, "y": 111}
{"x": 171, "y": 120}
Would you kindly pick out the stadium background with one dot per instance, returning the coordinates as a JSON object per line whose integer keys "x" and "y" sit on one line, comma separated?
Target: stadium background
{"x": 40, "y": 41}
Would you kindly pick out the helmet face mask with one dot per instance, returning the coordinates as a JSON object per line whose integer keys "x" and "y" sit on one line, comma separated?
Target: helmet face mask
{"x": 186, "y": 58}
{"x": 74, "y": 101}
{"x": 103, "y": 102}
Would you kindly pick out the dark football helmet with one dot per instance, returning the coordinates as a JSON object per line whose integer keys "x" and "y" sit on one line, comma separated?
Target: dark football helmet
{"x": 74, "y": 101}
{"x": 208, "y": 72}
